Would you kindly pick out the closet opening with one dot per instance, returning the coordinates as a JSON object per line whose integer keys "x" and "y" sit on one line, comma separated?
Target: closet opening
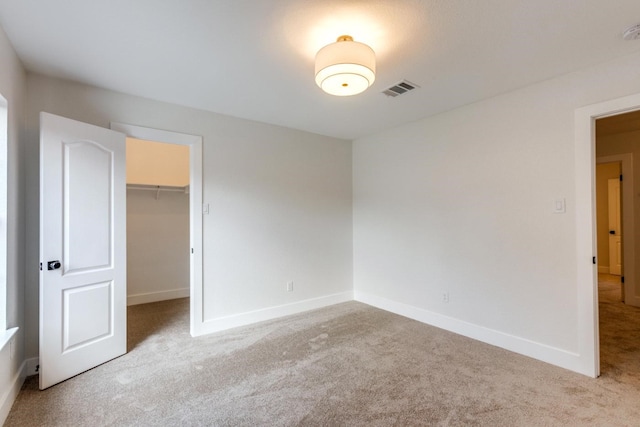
{"x": 157, "y": 221}
{"x": 158, "y": 246}
{"x": 164, "y": 229}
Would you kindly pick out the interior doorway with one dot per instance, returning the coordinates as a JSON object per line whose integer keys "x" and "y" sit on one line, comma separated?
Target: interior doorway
{"x": 588, "y": 355}
{"x": 617, "y": 142}
{"x": 193, "y": 191}
{"x": 157, "y": 221}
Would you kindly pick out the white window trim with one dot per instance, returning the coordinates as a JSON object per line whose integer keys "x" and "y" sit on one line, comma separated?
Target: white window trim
{"x": 5, "y": 335}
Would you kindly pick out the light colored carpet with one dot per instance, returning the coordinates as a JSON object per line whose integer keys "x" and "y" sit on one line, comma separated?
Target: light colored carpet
{"x": 346, "y": 365}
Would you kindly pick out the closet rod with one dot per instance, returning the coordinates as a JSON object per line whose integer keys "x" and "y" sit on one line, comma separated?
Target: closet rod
{"x": 158, "y": 188}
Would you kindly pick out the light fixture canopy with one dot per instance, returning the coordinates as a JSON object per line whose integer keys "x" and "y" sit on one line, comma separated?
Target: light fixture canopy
{"x": 345, "y": 67}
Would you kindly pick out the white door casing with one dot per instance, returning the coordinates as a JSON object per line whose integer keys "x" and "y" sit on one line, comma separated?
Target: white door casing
{"x": 615, "y": 231}
{"x": 197, "y": 322}
{"x": 83, "y": 227}
{"x": 588, "y": 356}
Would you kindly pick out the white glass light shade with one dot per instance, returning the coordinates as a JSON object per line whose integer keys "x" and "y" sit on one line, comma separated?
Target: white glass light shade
{"x": 345, "y": 67}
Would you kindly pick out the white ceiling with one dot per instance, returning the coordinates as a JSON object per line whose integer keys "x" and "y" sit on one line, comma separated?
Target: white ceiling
{"x": 255, "y": 58}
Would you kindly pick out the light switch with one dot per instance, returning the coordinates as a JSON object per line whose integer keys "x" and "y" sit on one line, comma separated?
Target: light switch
{"x": 205, "y": 209}
{"x": 560, "y": 206}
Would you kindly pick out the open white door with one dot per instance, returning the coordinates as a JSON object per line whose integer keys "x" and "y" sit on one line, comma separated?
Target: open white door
{"x": 82, "y": 247}
{"x": 615, "y": 231}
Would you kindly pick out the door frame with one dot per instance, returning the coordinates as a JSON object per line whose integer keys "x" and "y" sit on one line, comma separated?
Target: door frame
{"x": 194, "y": 142}
{"x": 586, "y": 244}
{"x": 628, "y": 226}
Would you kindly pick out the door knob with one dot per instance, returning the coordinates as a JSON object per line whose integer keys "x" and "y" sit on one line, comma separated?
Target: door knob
{"x": 53, "y": 265}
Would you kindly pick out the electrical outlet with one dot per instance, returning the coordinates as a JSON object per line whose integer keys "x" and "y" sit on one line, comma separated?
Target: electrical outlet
{"x": 289, "y": 286}
{"x": 445, "y": 297}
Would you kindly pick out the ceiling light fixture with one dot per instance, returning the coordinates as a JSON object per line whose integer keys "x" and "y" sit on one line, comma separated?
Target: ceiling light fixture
{"x": 345, "y": 67}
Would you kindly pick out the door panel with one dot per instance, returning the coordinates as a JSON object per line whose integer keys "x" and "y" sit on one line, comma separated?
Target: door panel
{"x": 87, "y": 207}
{"x": 84, "y": 303}
{"x": 82, "y": 226}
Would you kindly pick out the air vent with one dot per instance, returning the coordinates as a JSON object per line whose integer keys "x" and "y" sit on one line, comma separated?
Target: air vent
{"x": 400, "y": 88}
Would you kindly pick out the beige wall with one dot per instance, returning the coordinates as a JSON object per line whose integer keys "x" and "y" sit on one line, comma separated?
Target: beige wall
{"x": 604, "y": 172}
{"x": 157, "y": 163}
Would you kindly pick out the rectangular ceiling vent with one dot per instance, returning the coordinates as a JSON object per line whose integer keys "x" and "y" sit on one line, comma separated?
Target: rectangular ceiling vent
{"x": 400, "y": 88}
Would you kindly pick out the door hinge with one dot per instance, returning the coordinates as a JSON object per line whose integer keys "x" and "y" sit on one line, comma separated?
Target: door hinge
{"x": 622, "y": 279}
{"x": 191, "y": 250}
{"x": 594, "y": 260}
{"x": 621, "y": 177}
{"x": 40, "y": 266}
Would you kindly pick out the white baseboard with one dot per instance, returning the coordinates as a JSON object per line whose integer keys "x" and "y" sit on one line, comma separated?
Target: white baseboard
{"x": 9, "y": 396}
{"x": 33, "y": 366}
{"x": 603, "y": 269}
{"x": 223, "y": 323}
{"x": 145, "y": 298}
{"x": 543, "y": 352}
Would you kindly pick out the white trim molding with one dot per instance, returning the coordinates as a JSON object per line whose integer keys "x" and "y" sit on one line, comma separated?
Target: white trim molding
{"x": 148, "y": 297}
{"x": 269, "y": 313}
{"x": 6, "y": 337}
{"x": 33, "y": 366}
{"x": 586, "y": 249}
{"x": 555, "y": 356}
{"x": 9, "y": 395}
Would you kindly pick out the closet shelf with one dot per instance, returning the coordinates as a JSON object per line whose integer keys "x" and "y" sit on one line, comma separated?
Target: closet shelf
{"x": 158, "y": 188}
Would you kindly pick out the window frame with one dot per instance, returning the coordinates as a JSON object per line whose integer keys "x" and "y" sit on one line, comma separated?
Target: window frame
{"x": 5, "y": 334}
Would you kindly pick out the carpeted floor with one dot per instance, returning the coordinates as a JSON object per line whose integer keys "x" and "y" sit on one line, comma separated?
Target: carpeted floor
{"x": 346, "y": 365}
